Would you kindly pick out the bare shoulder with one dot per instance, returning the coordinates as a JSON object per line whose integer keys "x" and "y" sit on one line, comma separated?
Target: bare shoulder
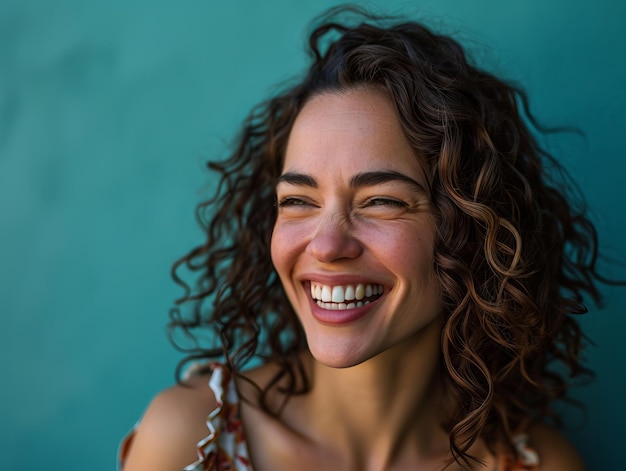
{"x": 173, "y": 423}
{"x": 555, "y": 452}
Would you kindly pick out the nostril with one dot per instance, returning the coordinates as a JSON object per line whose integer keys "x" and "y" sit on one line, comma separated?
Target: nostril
{"x": 330, "y": 247}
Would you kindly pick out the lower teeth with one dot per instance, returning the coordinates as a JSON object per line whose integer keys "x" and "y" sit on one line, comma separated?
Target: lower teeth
{"x": 340, "y": 306}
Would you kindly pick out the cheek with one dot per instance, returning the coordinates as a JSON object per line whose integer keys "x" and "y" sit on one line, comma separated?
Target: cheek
{"x": 411, "y": 254}
{"x": 276, "y": 250}
{"x": 284, "y": 248}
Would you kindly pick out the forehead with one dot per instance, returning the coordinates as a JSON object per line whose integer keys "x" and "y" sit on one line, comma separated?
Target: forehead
{"x": 350, "y": 131}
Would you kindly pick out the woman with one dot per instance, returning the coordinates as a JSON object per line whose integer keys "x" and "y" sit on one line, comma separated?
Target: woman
{"x": 386, "y": 239}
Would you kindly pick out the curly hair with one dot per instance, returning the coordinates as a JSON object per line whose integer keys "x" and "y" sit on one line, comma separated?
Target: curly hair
{"x": 515, "y": 253}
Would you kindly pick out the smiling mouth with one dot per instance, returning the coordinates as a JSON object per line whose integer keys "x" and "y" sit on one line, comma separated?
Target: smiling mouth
{"x": 341, "y": 297}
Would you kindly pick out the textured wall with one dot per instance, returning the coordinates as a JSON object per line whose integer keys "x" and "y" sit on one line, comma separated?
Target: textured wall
{"x": 107, "y": 112}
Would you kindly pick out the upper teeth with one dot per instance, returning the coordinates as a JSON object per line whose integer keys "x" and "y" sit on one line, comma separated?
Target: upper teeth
{"x": 343, "y": 293}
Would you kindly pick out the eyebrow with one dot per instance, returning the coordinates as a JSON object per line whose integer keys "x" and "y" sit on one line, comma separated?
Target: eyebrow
{"x": 298, "y": 179}
{"x": 359, "y": 180}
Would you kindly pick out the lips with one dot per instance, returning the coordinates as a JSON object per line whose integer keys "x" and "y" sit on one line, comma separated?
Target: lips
{"x": 343, "y": 297}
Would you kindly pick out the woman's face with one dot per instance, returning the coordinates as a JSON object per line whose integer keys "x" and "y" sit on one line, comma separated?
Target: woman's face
{"x": 353, "y": 240}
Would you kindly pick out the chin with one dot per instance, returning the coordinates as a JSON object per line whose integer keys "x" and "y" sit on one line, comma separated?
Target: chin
{"x": 340, "y": 356}
{"x": 338, "y": 362}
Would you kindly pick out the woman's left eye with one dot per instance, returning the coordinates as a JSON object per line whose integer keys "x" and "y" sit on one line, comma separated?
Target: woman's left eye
{"x": 386, "y": 202}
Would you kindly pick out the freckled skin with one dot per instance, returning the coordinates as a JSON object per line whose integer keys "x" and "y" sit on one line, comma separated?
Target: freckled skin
{"x": 381, "y": 231}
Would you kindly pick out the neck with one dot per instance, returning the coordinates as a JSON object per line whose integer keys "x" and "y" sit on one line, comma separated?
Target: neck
{"x": 383, "y": 410}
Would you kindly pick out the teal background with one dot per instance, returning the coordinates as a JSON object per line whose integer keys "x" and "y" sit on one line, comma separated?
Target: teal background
{"x": 108, "y": 111}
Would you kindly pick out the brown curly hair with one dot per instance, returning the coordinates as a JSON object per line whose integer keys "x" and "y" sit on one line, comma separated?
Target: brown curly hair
{"x": 515, "y": 253}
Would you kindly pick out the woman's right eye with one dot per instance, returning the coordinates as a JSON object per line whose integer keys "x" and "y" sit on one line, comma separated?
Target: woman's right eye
{"x": 292, "y": 201}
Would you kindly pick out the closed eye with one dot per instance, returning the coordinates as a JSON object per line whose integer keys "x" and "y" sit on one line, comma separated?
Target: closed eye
{"x": 386, "y": 202}
{"x": 292, "y": 201}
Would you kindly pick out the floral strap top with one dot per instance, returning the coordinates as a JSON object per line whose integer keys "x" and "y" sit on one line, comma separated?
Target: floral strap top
{"x": 225, "y": 448}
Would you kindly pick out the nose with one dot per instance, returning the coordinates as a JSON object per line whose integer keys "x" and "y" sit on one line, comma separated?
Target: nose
{"x": 333, "y": 239}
